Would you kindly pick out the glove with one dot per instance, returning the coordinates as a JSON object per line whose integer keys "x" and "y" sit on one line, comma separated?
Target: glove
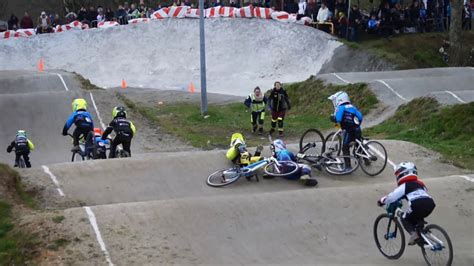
{"x": 64, "y": 133}
{"x": 333, "y": 118}
{"x": 381, "y": 201}
{"x": 300, "y": 155}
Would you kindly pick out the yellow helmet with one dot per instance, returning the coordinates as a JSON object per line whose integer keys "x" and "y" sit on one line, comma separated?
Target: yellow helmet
{"x": 237, "y": 138}
{"x": 79, "y": 104}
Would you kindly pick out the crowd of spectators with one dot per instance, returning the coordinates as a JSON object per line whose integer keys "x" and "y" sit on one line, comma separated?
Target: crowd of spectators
{"x": 391, "y": 17}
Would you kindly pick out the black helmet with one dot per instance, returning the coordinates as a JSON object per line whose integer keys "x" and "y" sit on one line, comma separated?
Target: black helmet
{"x": 119, "y": 111}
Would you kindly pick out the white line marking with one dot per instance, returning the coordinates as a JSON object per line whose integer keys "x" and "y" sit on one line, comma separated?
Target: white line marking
{"x": 97, "y": 111}
{"x": 62, "y": 80}
{"x": 455, "y": 96}
{"x": 396, "y": 93}
{"x": 470, "y": 179}
{"x": 93, "y": 222}
{"x": 379, "y": 153}
{"x": 339, "y": 77}
{"x": 55, "y": 180}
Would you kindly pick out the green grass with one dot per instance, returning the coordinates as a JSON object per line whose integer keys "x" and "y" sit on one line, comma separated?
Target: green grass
{"x": 310, "y": 109}
{"x": 448, "y": 130}
{"x": 26, "y": 197}
{"x": 85, "y": 83}
{"x": 410, "y": 51}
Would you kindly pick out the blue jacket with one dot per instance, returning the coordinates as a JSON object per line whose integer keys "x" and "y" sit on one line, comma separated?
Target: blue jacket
{"x": 285, "y": 155}
{"x": 348, "y": 116}
{"x": 80, "y": 118}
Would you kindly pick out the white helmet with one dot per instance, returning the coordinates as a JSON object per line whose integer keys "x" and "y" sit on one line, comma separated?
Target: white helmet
{"x": 279, "y": 145}
{"x": 405, "y": 169}
{"x": 339, "y": 98}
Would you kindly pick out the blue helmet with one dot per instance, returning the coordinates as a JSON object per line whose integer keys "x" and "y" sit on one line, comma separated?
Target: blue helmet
{"x": 279, "y": 145}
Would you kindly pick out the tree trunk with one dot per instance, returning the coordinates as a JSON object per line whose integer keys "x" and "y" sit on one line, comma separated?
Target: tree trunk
{"x": 455, "y": 34}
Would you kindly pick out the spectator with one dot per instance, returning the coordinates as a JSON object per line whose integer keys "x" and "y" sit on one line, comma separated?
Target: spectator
{"x": 121, "y": 15}
{"x": 57, "y": 21}
{"x": 100, "y": 14}
{"x": 342, "y": 25}
{"x": 423, "y": 18}
{"x": 414, "y": 14}
{"x": 70, "y": 17}
{"x": 234, "y": 3}
{"x": 13, "y": 22}
{"x": 26, "y": 22}
{"x": 133, "y": 12}
{"x": 91, "y": 16}
{"x": 44, "y": 24}
{"x": 312, "y": 9}
{"x": 109, "y": 14}
{"x": 81, "y": 15}
{"x": 355, "y": 19}
{"x": 187, "y": 3}
{"x": 323, "y": 14}
{"x": 340, "y": 7}
{"x": 302, "y": 8}
{"x": 373, "y": 25}
{"x": 466, "y": 17}
{"x": 126, "y": 7}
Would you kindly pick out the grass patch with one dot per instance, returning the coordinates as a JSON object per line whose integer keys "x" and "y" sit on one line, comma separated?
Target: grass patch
{"x": 85, "y": 83}
{"x": 26, "y": 197}
{"x": 448, "y": 130}
{"x": 310, "y": 108}
{"x": 58, "y": 219}
{"x": 58, "y": 243}
{"x": 403, "y": 51}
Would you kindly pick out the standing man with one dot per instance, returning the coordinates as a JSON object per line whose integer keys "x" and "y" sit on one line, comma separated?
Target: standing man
{"x": 279, "y": 104}
{"x": 256, "y": 103}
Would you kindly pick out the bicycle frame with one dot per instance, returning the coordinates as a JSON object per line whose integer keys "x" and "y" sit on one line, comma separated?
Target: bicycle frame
{"x": 252, "y": 168}
{"x": 360, "y": 145}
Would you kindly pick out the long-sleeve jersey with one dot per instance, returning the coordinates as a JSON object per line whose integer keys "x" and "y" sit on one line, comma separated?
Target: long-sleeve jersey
{"x": 21, "y": 144}
{"x": 348, "y": 116}
{"x": 80, "y": 118}
{"x": 410, "y": 191}
{"x": 120, "y": 126}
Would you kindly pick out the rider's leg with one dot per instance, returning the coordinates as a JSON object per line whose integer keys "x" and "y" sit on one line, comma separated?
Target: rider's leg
{"x": 76, "y": 135}
{"x": 126, "y": 143}
{"x": 419, "y": 209}
{"x": 26, "y": 158}
{"x": 113, "y": 147}
{"x": 253, "y": 120}
{"x": 17, "y": 158}
{"x": 348, "y": 137}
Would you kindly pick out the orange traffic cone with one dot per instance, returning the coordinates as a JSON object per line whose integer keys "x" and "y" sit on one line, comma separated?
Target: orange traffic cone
{"x": 124, "y": 84}
{"x": 191, "y": 88}
{"x": 41, "y": 65}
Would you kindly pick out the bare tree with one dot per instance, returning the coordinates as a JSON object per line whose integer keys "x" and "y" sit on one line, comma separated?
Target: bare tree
{"x": 455, "y": 34}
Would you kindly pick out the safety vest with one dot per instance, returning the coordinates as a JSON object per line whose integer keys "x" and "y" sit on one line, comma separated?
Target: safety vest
{"x": 256, "y": 105}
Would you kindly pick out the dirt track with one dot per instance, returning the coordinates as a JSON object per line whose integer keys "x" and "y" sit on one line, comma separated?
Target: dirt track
{"x": 155, "y": 208}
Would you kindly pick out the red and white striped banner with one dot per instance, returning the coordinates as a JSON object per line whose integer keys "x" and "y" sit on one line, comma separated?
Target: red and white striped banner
{"x": 192, "y": 13}
{"x": 178, "y": 11}
{"x": 244, "y": 12}
{"x": 7, "y": 34}
{"x": 138, "y": 20}
{"x": 160, "y": 14}
{"x": 227, "y": 11}
{"x": 261, "y": 12}
{"x": 107, "y": 24}
{"x": 281, "y": 16}
{"x": 25, "y": 32}
{"x": 213, "y": 12}
{"x": 305, "y": 21}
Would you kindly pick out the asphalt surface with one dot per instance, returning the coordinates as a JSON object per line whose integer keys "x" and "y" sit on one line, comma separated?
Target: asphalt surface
{"x": 156, "y": 208}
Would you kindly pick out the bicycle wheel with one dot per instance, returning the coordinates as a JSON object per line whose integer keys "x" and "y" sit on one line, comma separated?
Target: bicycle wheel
{"x": 76, "y": 156}
{"x": 389, "y": 236}
{"x": 337, "y": 165}
{"x": 442, "y": 251}
{"x": 312, "y": 142}
{"x": 223, "y": 177}
{"x": 21, "y": 163}
{"x": 281, "y": 169}
{"x": 123, "y": 154}
{"x": 374, "y": 161}
{"x": 334, "y": 144}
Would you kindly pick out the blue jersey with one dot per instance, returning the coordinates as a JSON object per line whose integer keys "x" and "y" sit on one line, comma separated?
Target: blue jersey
{"x": 285, "y": 155}
{"x": 348, "y": 116}
{"x": 81, "y": 119}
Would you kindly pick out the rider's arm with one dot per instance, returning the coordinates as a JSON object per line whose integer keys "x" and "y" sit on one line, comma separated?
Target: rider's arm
{"x": 134, "y": 130}
{"x": 358, "y": 114}
{"x": 395, "y": 195}
{"x": 248, "y": 101}
{"x": 31, "y": 146}
{"x": 90, "y": 117}
{"x": 69, "y": 123}
{"x": 10, "y": 147}
{"x": 339, "y": 114}
{"x": 107, "y": 131}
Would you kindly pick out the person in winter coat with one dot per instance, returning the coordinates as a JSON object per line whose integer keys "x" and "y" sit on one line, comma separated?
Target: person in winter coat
{"x": 279, "y": 103}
